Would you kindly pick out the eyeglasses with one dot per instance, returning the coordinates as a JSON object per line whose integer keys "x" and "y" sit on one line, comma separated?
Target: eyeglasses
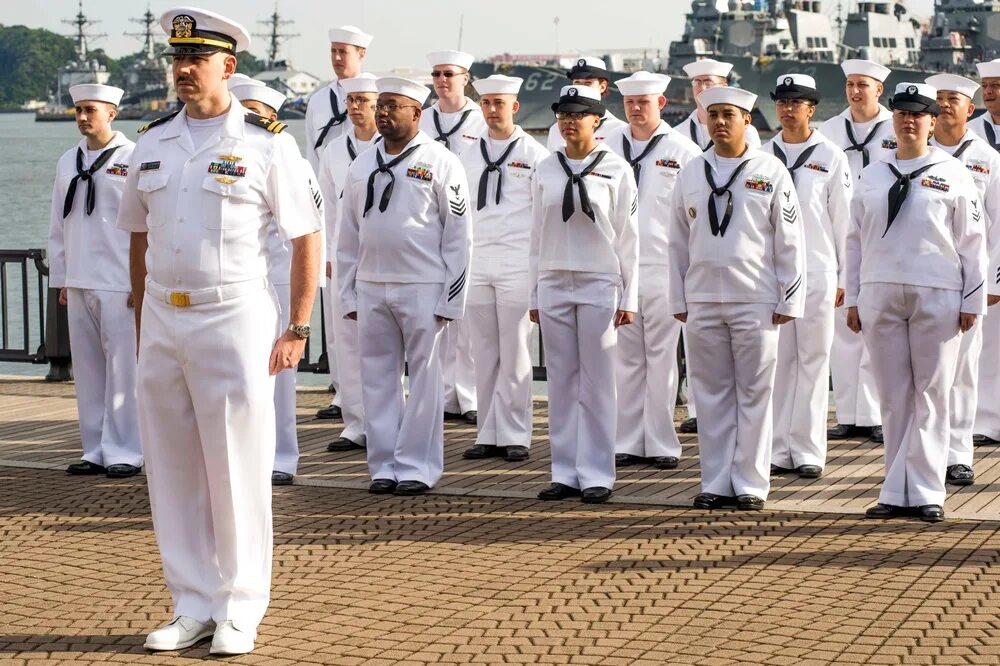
{"x": 392, "y": 107}
{"x": 573, "y": 115}
{"x": 791, "y": 102}
{"x": 437, "y": 74}
{"x": 360, "y": 101}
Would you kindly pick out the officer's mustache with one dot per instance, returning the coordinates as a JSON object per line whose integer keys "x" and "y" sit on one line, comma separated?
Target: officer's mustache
{"x": 183, "y": 79}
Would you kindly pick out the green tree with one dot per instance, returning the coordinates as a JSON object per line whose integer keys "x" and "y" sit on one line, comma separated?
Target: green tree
{"x": 29, "y": 62}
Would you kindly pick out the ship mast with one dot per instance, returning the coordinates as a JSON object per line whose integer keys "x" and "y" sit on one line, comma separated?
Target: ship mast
{"x": 274, "y": 36}
{"x": 82, "y": 23}
{"x": 147, "y": 22}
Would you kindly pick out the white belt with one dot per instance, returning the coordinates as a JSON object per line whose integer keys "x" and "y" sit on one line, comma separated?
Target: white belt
{"x": 183, "y": 299}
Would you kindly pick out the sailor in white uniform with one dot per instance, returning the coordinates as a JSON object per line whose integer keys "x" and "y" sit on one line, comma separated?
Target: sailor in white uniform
{"x": 987, "y": 426}
{"x": 326, "y": 119}
{"x": 403, "y": 254}
{"x": 647, "y": 373}
{"x": 88, "y": 262}
{"x": 951, "y": 135}
{"x": 593, "y": 73}
{"x": 864, "y": 131}
{"x": 824, "y": 185}
{"x": 457, "y": 122}
{"x": 362, "y": 96}
{"x": 501, "y": 169}
{"x": 705, "y": 74}
{"x": 915, "y": 284}
{"x": 738, "y": 272}
{"x": 266, "y": 102}
{"x": 204, "y": 187}
{"x": 584, "y": 285}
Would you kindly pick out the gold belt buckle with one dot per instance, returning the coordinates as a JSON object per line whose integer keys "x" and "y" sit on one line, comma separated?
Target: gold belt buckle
{"x": 180, "y": 299}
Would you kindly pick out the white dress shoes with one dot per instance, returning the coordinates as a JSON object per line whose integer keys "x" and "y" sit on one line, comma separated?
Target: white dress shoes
{"x": 230, "y": 640}
{"x": 182, "y": 632}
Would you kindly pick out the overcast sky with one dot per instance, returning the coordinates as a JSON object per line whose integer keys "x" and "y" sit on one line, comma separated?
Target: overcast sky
{"x": 404, "y": 30}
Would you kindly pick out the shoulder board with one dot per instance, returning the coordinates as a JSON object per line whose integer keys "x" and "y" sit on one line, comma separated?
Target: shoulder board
{"x": 273, "y": 126}
{"x": 158, "y": 121}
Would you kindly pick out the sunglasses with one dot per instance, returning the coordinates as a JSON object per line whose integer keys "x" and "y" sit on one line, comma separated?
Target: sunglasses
{"x": 437, "y": 74}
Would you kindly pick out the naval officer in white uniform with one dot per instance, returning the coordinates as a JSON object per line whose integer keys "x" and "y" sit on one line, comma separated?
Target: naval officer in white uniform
{"x": 88, "y": 262}
{"x": 916, "y": 274}
{"x": 738, "y": 272}
{"x": 501, "y": 169}
{"x": 403, "y": 255}
{"x": 593, "y": 73}
{"x": 824, "y": 185}
{"x": 362, "y": 95}
{"x": 206, "y": 184}
{"x": 951, "y": 134}
{"x": 647, "y": 373}
{"x": 584, "y": 285}
{"x": 457, "y": 122}
{"x": 864, "y": 131}
{"x": 987, "y": 427}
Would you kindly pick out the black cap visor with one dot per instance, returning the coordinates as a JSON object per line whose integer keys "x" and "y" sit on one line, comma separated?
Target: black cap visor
{"x": 586, "y": 72}
{"x": 914, "y": 104}
{"x": 795, "y": 92}
{"x": 576, "y": 105}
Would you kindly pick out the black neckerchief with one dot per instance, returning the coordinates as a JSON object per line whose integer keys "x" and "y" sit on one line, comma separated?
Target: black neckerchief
{"x": 713, "y": 215}
{"x": 484, "y": 179}
{"x": 384, "y": 167}
{"x": 87, "y": 176}
{"x": 899, "y": 191}
{"x": 636, "y": 163}
{"x": 863, "y": 146}
{"x": 443, "y": 136}
{"x": 991, "y": 135}
{"x": 338, "y": 119}
{"x": 805, "y": 155}
{"x": 577, "y": 178}
{"x": 693, "y": 130}
{"x": 962, "y": 148}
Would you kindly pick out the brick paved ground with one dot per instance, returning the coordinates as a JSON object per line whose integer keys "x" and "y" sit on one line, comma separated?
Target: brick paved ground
{"x": 450, "y": 579}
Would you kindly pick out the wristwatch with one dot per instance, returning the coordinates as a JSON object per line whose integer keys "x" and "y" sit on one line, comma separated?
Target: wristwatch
{"x": 301, "y": 330}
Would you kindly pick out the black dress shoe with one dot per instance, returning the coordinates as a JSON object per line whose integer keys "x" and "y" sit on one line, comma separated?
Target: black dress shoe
{"x": 471, "y": 417}
{"x": 627, "y": 459}
{"x": 330, "y": 412}
{"x": 959, "y": 475}
{"x": 411, "y": 488}
{"x": 453, "y": 416}
{"x": 931, "y": 513}
{"x": 666, "y": 462}
{"x": 847, "y": 431}
{"x": 483, "y": 451}
{"x": 983, "y": 440}
{"x": 343, "y": 444}
{"x": 596, "y": 495}
{"x": 712, "y": 501}
{"x": 382, "y": 487}
{"x": 122, "y": 471}
{"x": 877, "y": 435}
{"x": 85, "y": 467}
{"x": 884, "y": 511}
{"x": 688, "y": 426}
{"x": 749, "y": 503}
{"x": 809, "y": 471}
{"x": 281, "y": 478}
{"x": 558, "y": 491}
{"x": 778, "y": 471}
{"x": 516, "y": 453}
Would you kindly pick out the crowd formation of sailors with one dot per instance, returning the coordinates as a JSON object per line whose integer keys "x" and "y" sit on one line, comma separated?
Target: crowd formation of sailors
{"x": 449, "y": 231}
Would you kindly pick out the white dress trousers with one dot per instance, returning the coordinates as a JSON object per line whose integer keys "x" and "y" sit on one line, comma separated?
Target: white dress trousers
{"x": 396, "y": 323}
{"x": 691, "y": 405}
{"x": 914, "y": 339}
{"x": 964, "y": 395}
{"x": 102, "y": 340}
{"x": 286, "y": 455}
{"x": 576, "y": 311}
{"x": 497, "y": 314}
{"x": 801, "y": 398}
{"x": 647, "y": 374}
{"x": 854, "y": 391}
{"x": 347, "y": 353}
{"x": 734, "y": 347}
{"x": 330, "y": 294}
{"x": 988, "y": 407}
{"x": 212, "y": 519}
{"x": 459, "y": 368}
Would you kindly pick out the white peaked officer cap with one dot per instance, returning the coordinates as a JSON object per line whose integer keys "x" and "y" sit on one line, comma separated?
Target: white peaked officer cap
{"x": 456, "y": 58}
{"x": 990, "y": 69}
{"x": 708, "y": 67}
{"x": 242, "y": 80}
{"x": 196, "y": 31}
{"x": 362, "y": 83}
{"x": 397, "y": 85}
{"x": 643, "y": 83}
{"x": 259, "y": 93}
{"x": 96, "y": 92}
{"x": 954, "y": 82}
{"x": 738, "y": 97}
{"x": 498, "y": 84}
{"x": 350, "y": 34}
{"x": 795, "y": 86}
{"x": 588, "y": 67}
{"x": 915, "y": 97}
{"x": 580, "y": 91}
{"x": 579, "y": 99}
{"x": 865, "y": 68}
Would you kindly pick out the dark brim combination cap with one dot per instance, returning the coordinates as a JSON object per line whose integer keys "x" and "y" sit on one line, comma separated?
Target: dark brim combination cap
{"x": 579, "y": 99}
{"x": 588, "y": 67}
{"x": 915, "y": 98}
{"x": 199, "y": 32}
{"x": 796, "y": 86}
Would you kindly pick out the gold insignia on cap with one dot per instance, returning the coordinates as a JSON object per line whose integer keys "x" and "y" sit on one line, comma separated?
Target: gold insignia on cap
{"x": 183, "y": 26}
{"x": 230, "y": 158}
{"x": 692, "y": 212}
{"x": 226, "y": 180}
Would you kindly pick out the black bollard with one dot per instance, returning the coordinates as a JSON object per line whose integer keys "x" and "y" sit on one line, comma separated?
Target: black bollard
{"x": 57, "y": 339}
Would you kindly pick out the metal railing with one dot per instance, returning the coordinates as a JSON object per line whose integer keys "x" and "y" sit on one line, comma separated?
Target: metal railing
{"x": 22, "y": 289}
